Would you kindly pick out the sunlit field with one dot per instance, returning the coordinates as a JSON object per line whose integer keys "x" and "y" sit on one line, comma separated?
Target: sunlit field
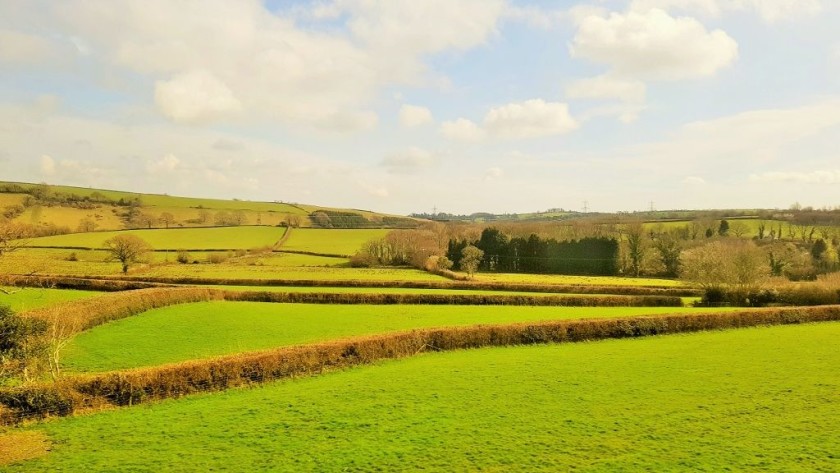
{"x": 761, "y": 399}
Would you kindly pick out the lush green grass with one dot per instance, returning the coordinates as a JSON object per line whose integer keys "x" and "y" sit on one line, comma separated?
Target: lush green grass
{"x": 761, "y": 399}
{"x": 23, "y": 299}
{"x": 585, "y": 280}
{"x": 175, "y": 238}
{"x": 207, "y": 329}
{"x": 331, "y": 242}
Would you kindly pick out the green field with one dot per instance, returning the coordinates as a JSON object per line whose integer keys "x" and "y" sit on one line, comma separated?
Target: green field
{"x": 331, "y": 241}
{"x": 761, "y": 399}
{"x": 208, "y": 329}
{"x": 582, "y": 280}
{"x": 174, "y": 239}
{"x": 23, "y": 299}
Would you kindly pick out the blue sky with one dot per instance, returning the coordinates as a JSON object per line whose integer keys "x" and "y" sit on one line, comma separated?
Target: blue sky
{"x": 402, "y": 106}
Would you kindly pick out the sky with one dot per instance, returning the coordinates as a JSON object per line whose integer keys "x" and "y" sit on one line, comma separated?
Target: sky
{"x": 407, "y": 106}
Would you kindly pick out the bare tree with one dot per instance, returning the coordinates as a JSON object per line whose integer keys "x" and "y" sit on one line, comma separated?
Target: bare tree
{"x": 86, "y": 225}
{"x": 738, "y": 228}
{"x": 127, "y": 249}
{"x": 166, "y": 219}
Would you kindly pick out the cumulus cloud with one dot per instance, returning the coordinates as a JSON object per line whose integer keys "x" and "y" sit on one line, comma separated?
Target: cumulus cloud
{"x": 529, "y": 119}
{"x": 462, "y": 130}
{"x": 260, "y": 65}
{"x": 47, "y": 165}
{"x": 409, "y": 161}
{"x": 413, "y": 115}
{"x": 653, "y": 45}
{"x": 829, "y": 176}
{"x": 195, "y": 96}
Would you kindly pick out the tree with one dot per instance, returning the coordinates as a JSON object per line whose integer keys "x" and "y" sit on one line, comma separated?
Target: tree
{"x": 723, "y": 229}
{"x": 203, "y": 216}
{"x": 12, "y": 237}
{"x": 735, "y": 266}
{"x": 86, "y": 225}
{"x": 166, "y": 219}
{"x": 127, "y": 249}
{"x": 762, "y": 228}
{"x": 470, "y": 259}
{"x": 669, "y": 249}
{"x": 739, "y": 229}
{"x": 636, "y": 246}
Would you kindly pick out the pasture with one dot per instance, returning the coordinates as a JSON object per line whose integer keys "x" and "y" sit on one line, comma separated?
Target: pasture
{"x": 760, "y": 399}
{"x": 23, "y": 299}
{"x": 341, "y": 242}
{"x": 207, "y": 329}
{"x": 224, "y": 238}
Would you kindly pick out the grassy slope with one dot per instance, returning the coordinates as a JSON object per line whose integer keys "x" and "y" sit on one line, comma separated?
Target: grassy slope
{"x": 209, "y": 329}
{"x": 761, "y": 399}
{"x": 337, "y": 242}
{"x": 173, "y": 239}
{"x": 33, "y": 298}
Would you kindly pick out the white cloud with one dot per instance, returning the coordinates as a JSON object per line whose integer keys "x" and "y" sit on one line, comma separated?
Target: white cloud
{"x": 409, "y": 161}
{"x": 493, "y": 173}
{"x": 462, "y": 130}
{"x": 196, "y": 96}
{"x": 653, "y": 45}
{"x": 529, "y": 119}
{"x": 413, "y": 115}
{"x": 694, "y": 181}
{"x": 22, "y": 48}
{"x": 770, "y": 11}
{"x": 259, "y": 65}
{"x": 607, "y": 87}
{"x": 631, "y": 94}
{"x": 165, "y": 164}
{"x": 813, "y": 177}
{"x": 47, "y": 165}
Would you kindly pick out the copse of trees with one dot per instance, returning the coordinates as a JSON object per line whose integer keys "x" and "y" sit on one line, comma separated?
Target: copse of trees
{"x": 587, "y": 256}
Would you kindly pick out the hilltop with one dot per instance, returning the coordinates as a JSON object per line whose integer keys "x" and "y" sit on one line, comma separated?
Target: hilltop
{"x": 56, "y": 209}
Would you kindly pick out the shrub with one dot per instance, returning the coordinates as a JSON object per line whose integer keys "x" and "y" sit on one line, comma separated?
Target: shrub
{"x": 217, "y": 257}
{"x": 72, "y": 257}
{"x": 183, "y": 257}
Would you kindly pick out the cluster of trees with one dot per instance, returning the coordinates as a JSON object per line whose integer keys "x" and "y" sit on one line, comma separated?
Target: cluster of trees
{"x": 346, "y": 219}
{"x": 587, "y": 256}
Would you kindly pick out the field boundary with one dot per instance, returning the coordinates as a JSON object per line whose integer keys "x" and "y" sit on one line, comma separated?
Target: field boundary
{"x": 465, "y": 285}
{"x": 125, "y": 388}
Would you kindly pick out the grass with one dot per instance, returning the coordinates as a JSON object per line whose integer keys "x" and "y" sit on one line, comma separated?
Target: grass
{"x": 203, "y": 330}
{"x": 565, "y": 279}
{"x": 173, "y": 239}
{"x": 761, "y": 399}
{"x": 23, "y": 299}
{"x": 333, "y": 242}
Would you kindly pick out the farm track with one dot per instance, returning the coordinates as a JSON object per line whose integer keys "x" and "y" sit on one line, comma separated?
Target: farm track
{"x": 85, "y": 392}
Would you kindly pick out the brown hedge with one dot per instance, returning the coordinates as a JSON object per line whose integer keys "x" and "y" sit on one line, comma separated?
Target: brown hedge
{"x": 465, "y": 285}
{"x": 141, "y": 385}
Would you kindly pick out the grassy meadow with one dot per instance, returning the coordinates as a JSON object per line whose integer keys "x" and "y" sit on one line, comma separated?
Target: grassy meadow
{"x": 225, "y": 238}
{"x": 561, "y": 279}
{"x": 340, "y": 242}
{"x": 23, "y": 299}
{"x": 207, "y": 329}
{"x": 760, "y": 399}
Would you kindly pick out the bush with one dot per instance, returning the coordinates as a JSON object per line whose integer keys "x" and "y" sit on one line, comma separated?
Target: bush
{"x": 183, "y": 257}
{"x": 217, "y": 257}
{"x": 72, "y": 257}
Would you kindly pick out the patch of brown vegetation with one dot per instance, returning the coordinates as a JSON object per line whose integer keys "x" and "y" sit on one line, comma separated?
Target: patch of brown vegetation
{"x": 19, "y": 446}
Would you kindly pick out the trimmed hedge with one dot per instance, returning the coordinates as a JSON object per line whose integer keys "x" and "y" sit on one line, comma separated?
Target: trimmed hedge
{"x": 141, "y": 385}
{"x": 466, "y": 285}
